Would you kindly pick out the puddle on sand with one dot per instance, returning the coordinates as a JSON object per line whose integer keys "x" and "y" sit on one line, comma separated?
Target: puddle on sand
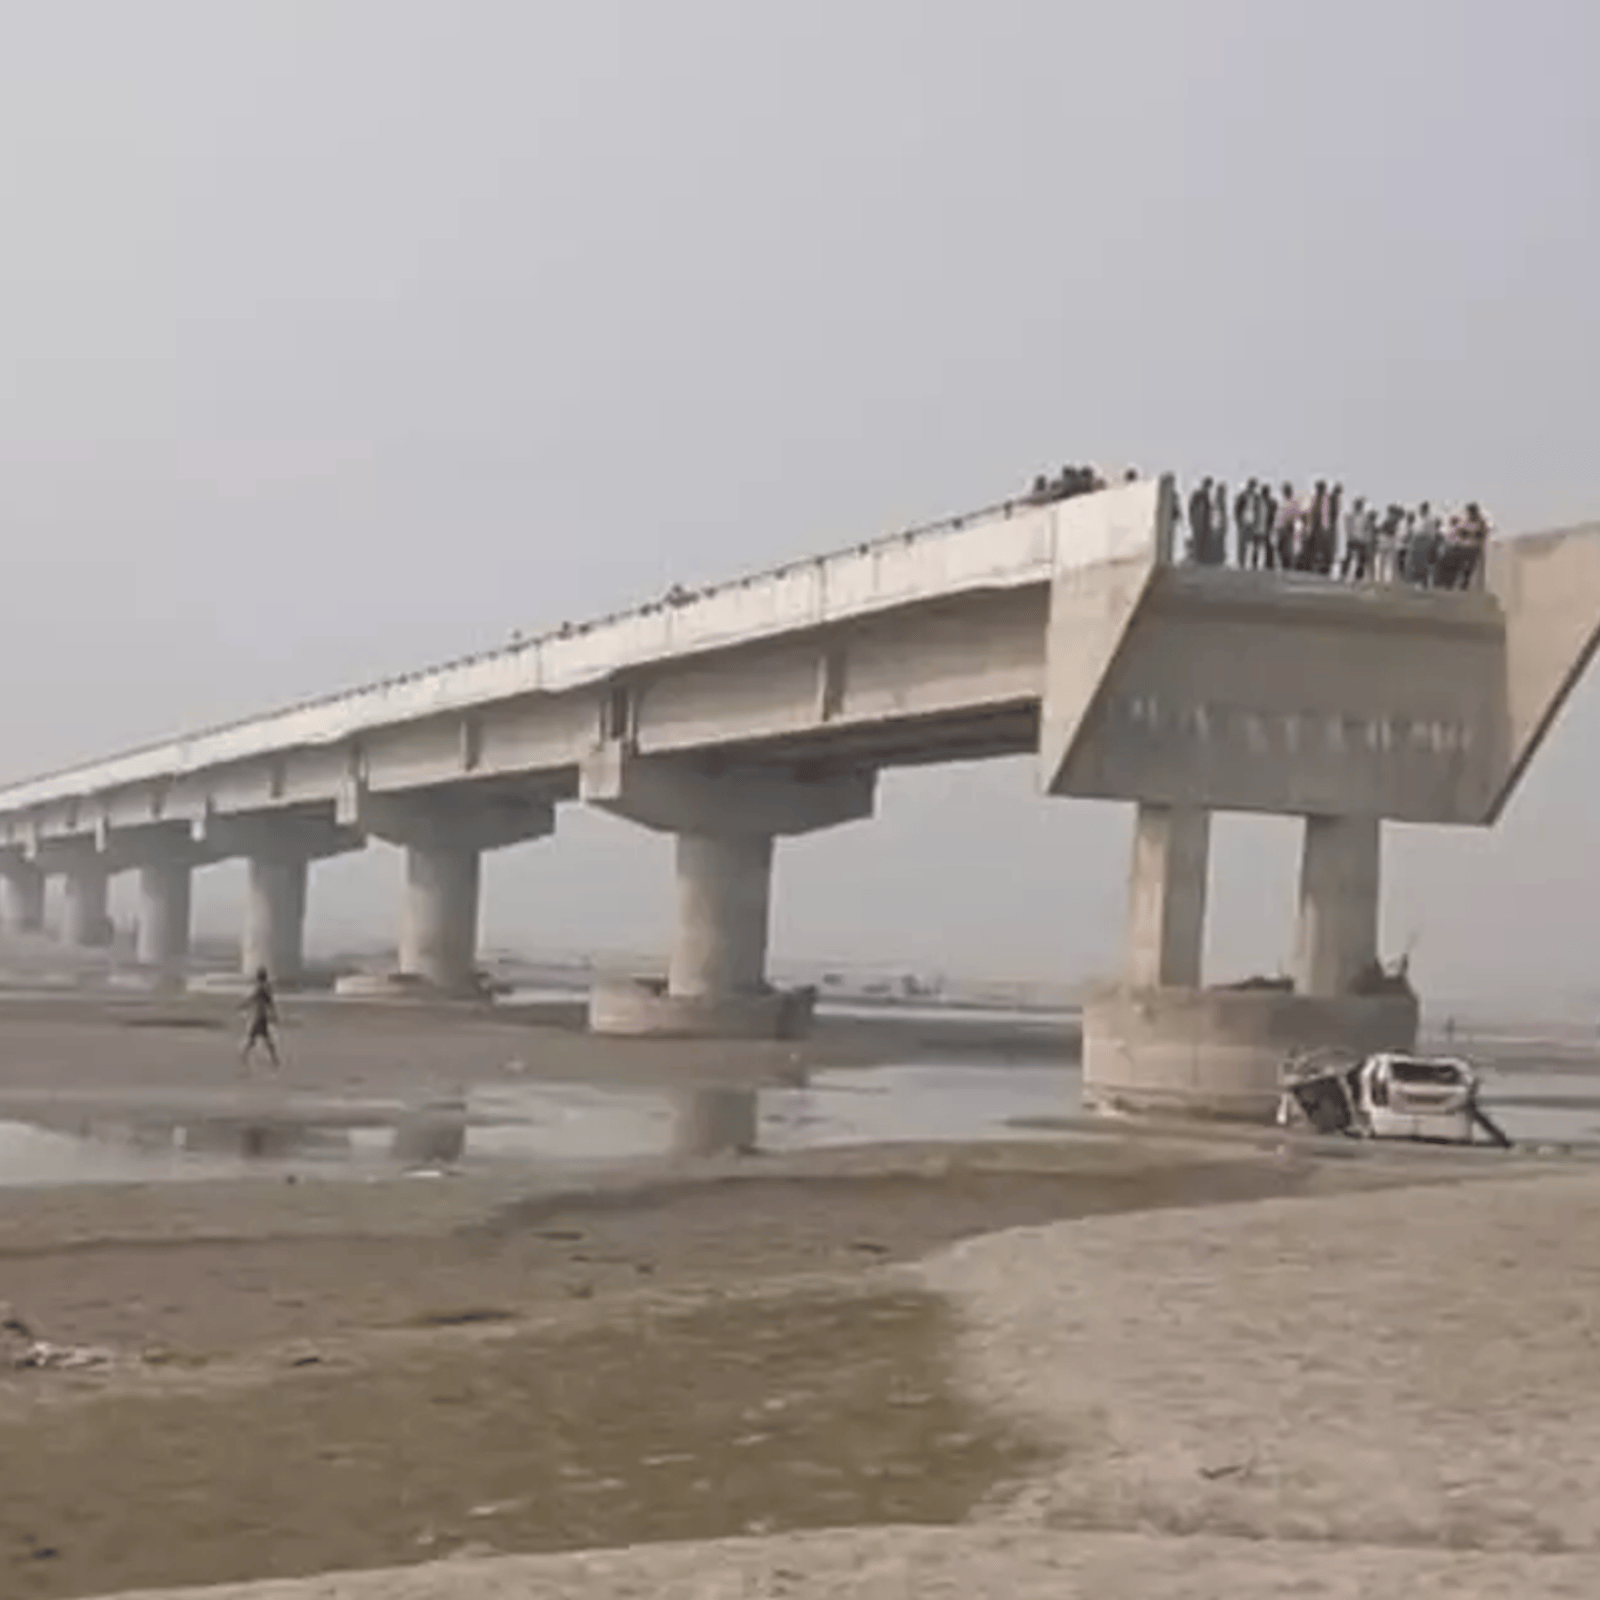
{"x": 551, "y": 1124}
{"x": 558, "y": 1124}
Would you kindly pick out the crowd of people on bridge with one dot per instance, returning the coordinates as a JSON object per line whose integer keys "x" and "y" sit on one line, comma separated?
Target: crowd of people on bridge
{"x": 1261, "y": 528}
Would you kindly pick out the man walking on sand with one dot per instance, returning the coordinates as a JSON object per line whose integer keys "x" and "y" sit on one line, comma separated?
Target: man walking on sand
{"x": 261, "y": 1013}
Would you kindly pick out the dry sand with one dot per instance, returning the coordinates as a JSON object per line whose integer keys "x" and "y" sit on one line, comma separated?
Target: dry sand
{"x": 1375, "y": 1395}
{"x": 963, "y": 1564}
{"x": 1405, "y": 1368}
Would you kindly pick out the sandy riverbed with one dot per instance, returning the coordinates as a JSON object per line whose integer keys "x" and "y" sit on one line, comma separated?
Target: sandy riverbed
{"x": 342, "y": 1375}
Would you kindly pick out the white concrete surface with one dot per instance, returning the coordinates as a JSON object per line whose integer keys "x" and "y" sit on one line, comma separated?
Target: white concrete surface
{"x": 996, "y": 549}
{"x": 1277, "y": 692}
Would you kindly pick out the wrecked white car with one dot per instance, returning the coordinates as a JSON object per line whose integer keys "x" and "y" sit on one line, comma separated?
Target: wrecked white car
{"x": 1386, "y": 1096}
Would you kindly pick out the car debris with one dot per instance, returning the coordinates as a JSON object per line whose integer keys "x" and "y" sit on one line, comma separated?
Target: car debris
{"x": 1388, "y": 1095}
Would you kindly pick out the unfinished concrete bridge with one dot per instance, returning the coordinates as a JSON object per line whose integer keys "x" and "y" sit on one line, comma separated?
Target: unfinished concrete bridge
{"x": 766, "y": 707}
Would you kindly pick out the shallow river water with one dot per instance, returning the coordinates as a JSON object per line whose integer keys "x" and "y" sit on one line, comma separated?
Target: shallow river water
{"x": 148, "y": 1136}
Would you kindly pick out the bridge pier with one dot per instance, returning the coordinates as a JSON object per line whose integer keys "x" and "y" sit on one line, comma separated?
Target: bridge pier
{"x": 1159, "y": 1042}
{"x": 724, "y": 911}
{"x": 279, "y": 847}
{"x": 275, "y": 915}
{"x": 1340, "y": 871}
{"x": 165, "y": 901}
{"x": 23, "y": 885}
{"x": 439, "y": 919}
{"x": 444, "y": 833}
{"x": 1167, "y": 896}
{"x": 84, "y": 921}
{"x": 726, "y": 823}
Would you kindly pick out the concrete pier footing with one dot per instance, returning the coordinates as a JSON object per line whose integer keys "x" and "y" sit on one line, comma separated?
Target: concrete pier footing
{"x": 1216, "y": 1053}
{"x": 645, "y": 1008}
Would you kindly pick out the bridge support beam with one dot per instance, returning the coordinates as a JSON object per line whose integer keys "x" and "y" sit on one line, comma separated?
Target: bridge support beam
{"x": 726, "y": 823}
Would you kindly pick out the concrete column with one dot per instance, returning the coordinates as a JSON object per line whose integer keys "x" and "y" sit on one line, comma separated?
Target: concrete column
{"x": 24, "y": 898}
{"x": 724, "y": 897}
{"x": 1339, "y": 879}
{"x": 439, "y": 922}
{"x": 275, "y": 916}
{"x": 85, "y": 922}
{"x": 165, "y": 899}
{"x": 1167, "y": 897}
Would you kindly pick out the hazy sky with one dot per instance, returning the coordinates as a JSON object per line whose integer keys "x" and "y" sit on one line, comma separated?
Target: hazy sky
{"x": 341, "y": 335}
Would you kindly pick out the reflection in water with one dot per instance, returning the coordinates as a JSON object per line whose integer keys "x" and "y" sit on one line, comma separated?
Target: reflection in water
{"x": 432, "y": 1135}
{"x": 542, "y": 1127}
{"x": 715, "y": 1122}
{"x": 255, "y": 1139}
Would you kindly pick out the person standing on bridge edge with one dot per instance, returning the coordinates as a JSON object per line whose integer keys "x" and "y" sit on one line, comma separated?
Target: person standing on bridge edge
{"x": 1244, "y": 525}
{"x": 261, "y": 1017}
{"x": 1287, "y": 529}
{"x": 1333, "y": 525}
{"x": 1359, "y": 528}
{"x": 1200, "y": 523}
{"x": 1266, "y": 526}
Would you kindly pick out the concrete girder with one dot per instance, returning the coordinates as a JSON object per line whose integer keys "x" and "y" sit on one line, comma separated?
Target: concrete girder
{"x": 296, "y": 835}
{"x": 460, "y": 817}
{"x": 677, "y": 795}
